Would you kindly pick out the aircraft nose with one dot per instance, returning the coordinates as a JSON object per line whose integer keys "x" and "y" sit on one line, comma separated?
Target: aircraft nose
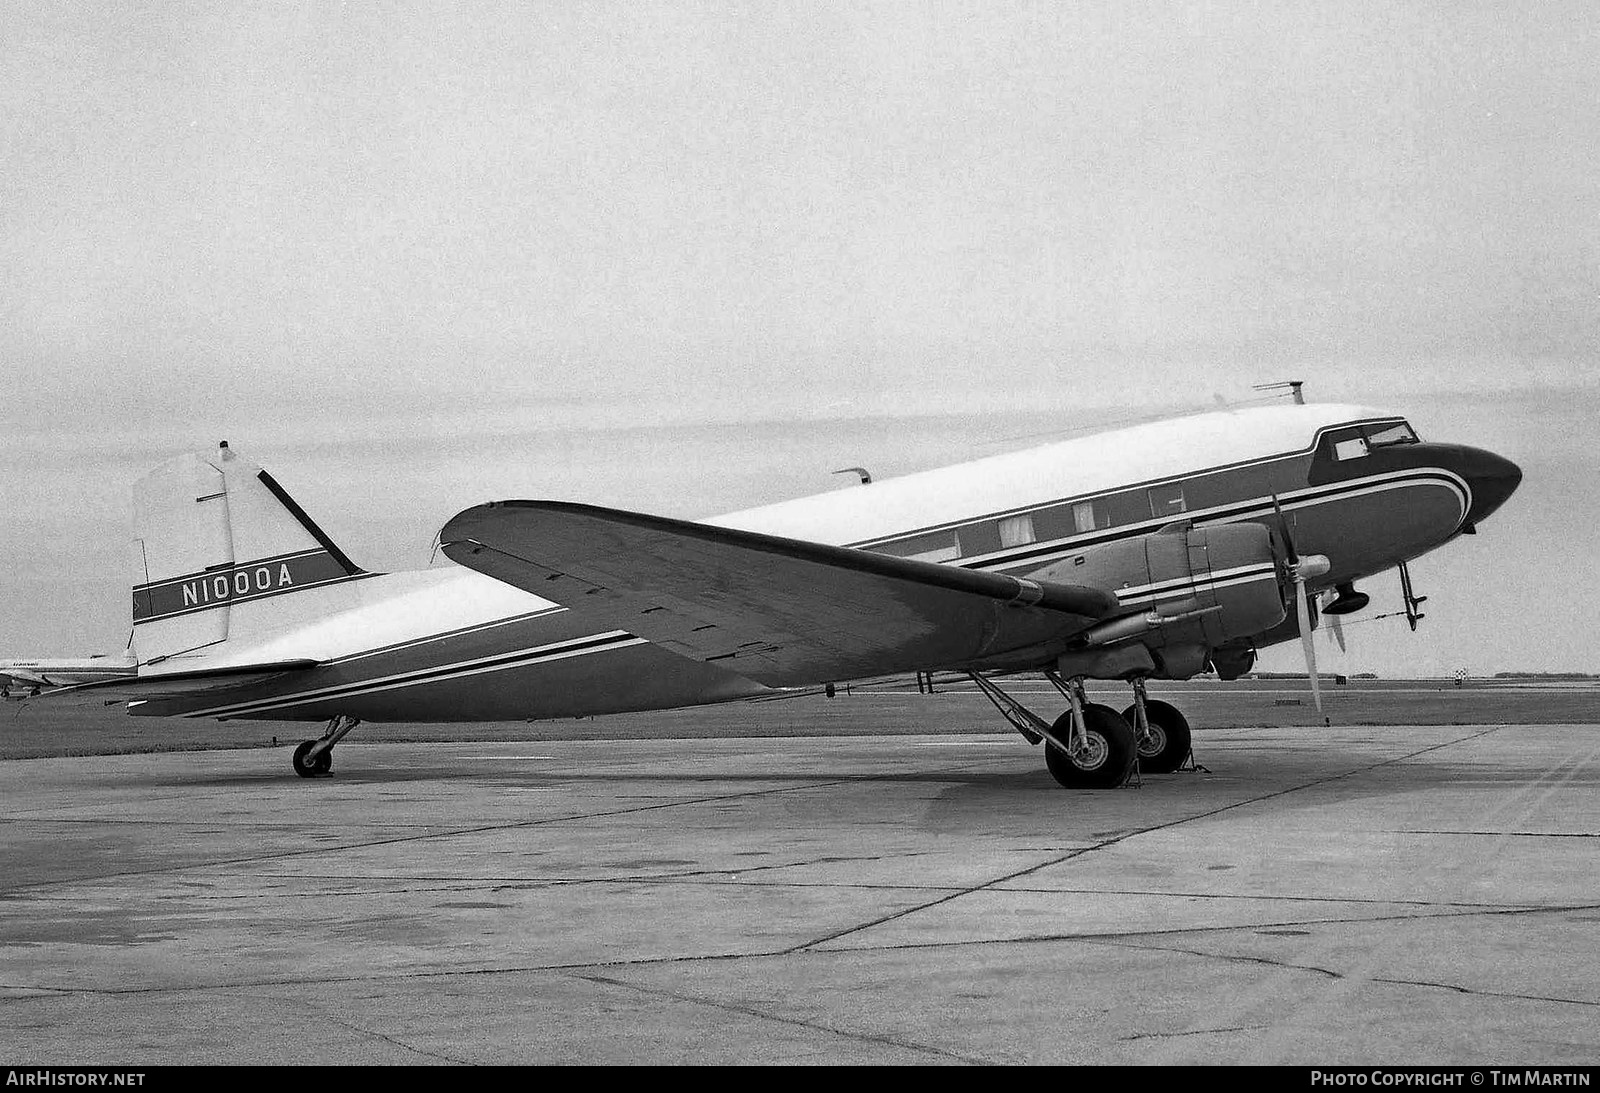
{"x": 1492, "y": 479}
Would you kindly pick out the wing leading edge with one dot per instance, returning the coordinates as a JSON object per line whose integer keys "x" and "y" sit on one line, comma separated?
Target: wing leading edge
{"x": 779, "y": 611}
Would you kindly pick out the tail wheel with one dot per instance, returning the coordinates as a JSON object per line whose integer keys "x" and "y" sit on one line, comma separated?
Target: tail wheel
{"x": 1105, "y": 756}
{"x": 307, "y": 767}
{"x": 1168, "y": 744}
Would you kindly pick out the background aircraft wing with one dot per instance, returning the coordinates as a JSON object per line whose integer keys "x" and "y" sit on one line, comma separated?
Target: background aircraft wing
{"x": 778, "y": 611}
{"x": 24, "y": 676}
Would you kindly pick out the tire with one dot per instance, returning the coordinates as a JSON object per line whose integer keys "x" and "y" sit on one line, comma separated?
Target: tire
{"x": 310, "y": 768}
{"x": 1172, "y": 743}
{"x": 1110, "y": 748}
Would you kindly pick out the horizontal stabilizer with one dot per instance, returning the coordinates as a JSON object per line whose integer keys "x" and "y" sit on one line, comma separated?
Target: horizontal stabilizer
{"x": 778, "y": 611}
{"x": 156, "y": 685}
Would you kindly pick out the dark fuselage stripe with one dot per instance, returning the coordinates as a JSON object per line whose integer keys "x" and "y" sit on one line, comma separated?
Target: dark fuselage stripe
{"x": 225, "y": 567}
{"x": 1220, "y": 514}
{"x": 437, "y": 674}
{"x": 617, "y": 639}
{"x": 1127, "y": 487}
{"x": 1187, "y": 590}
{"x": 250, "y": 597}
{"x": 1227, "y": 576}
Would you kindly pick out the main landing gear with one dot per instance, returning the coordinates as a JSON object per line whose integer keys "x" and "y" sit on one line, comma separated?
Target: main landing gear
{"x": 1091, "y": 746}
{"x": 1162, "y": 732}
{"x": 314, "y": 758}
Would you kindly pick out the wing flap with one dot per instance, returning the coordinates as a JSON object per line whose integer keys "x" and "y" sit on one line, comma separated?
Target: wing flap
{"x": 779, "y": 611}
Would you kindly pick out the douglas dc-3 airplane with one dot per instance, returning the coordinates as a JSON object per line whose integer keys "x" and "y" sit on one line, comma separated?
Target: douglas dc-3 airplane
{"x": 1152, "y": 552}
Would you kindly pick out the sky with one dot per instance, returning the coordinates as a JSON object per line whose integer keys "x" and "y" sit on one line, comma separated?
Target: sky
{"x": 687, "y": 258}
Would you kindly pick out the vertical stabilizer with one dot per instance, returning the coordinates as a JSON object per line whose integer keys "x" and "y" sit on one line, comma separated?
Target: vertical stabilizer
{"x": 222, "y": 555}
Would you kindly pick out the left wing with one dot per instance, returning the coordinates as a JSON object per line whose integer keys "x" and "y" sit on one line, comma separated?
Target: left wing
{"x": 778, "y": 611}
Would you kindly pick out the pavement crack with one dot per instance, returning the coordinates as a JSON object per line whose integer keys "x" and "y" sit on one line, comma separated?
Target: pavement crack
{"x": 1456, "y": 988}
{"x": 1190, "y": 1032}
{"x": 751, "y": 1011}
{"x": 386, "y": 1038}
{"x": 481, "y": 829}
{"x": 320, "y": 1012}
{"x": 1234, "y": 958}
{"x": 1509, "y": 834}
{"x": 1130, "y": 938}
{"x": 1125, "y": 836}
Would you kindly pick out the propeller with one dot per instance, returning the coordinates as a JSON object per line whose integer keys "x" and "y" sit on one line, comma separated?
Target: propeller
{"x": 1300, "y": 571}
{"x": 1335, "y": 625}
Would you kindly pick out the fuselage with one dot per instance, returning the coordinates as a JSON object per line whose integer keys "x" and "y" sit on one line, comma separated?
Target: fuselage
{"x": 454, "y": 645}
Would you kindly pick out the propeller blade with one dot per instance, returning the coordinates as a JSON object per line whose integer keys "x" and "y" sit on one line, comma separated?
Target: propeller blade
{"x": 1301, "y": 570}
{"x": 1288, "y": 539}
{"x": 1335, "y": 622}
{"x": 1302, "y": 603}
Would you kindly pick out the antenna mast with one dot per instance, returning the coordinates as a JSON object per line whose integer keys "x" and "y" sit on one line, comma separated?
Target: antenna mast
{"x": 1293, "y": 386}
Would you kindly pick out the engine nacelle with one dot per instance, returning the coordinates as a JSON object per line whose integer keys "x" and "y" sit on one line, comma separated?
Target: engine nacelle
{"x": 1233, "y": 660}
{"x": 1184, "y": 591}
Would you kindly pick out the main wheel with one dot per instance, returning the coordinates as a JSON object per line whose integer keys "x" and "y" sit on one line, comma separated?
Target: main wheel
{"x": 1106, "y": 756}
{"x": 307, "y": 767}
{"x": 1168, "y": 745}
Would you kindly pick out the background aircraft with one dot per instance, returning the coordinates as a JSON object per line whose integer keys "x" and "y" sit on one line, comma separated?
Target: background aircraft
{"x": 32, "y": 676}
{"x": 1158, "y": 551}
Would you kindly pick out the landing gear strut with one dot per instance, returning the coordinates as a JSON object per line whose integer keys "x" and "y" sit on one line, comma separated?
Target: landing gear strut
{"x": 1088, "y": 747}
{"x": 1413, "y": 601}
{"x": 1162, "y": 732}
{"x": 315, "y": 757}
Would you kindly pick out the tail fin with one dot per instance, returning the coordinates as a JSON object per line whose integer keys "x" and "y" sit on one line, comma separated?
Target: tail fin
{"x": 223, "y": 554}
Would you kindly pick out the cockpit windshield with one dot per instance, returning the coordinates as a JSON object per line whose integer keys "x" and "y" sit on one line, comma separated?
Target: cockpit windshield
{"x": 1358, "y": 441}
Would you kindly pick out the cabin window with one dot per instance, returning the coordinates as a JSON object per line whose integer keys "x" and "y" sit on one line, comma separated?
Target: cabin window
{"x": 1017, "y": 531}
{"x": 1166, "y": 501}
{"x": 1084, "y": 518}
{"x": 939, "y": 546}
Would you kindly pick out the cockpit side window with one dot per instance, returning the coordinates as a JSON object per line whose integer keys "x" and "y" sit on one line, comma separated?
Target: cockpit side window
{"x": 1381, "y": 436}
{"x": 1350, "y": 447}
